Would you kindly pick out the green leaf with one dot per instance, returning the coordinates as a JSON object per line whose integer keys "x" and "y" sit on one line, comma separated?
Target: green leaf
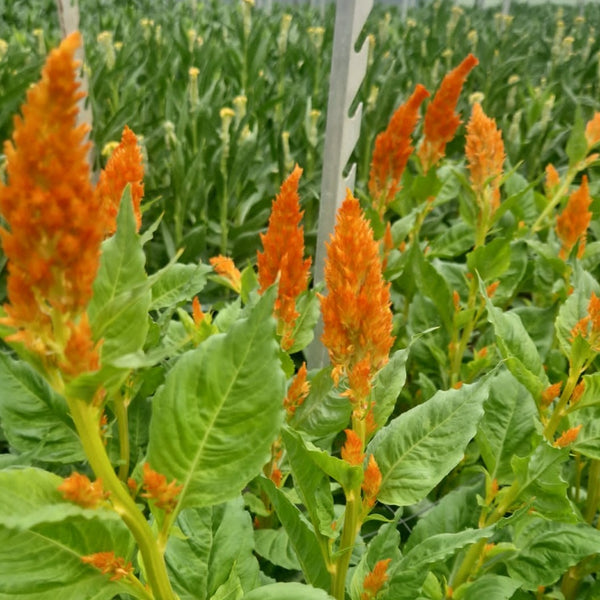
{"x": 456, "y": 511}
{"x": 287, "y": 591}
{"x": 591, "y": 392}
{"x": 118, "y": 310}
{"x": 540, "y": 481}
{"x": 507, "y": 427}
{"x": 230, "y": 590}
{"x": 488, "y": 586}
{"x": 325, "y": 411}
{"x": 388, "y": 385}
{"x": 420, "y": 447}
{"x": 548, "y": 548}
{"x": 215, "y": 547}
{"x": 588, "y": 440}
{"x": 220, "y": 409}
{"x": 490, "y": 261}
{"x": 42, "y": 542}
{"x": 577, "y": 144}
{"x": 275, "y": 546}
{"x": 34, "y": 418}
{"x": 310, "y": 309}
{"x": 517, "y": 348}
{"x": 302, "y": 537}
{"x": 177, "y": 283}
{"x": 310, "y": 482}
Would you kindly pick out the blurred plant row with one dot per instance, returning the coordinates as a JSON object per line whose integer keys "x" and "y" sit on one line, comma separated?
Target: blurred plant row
{"x": 227, "y": 97}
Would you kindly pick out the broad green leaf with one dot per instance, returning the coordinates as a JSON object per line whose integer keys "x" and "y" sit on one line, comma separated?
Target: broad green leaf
{"x": 591, "y": 392}
{"x": 490, "y": 261}
{"x": 577, "y": 143}
{"x": 548, "y": 548}
{"x": 325, "y": 411}
{"x": 177, "y": 283}
{"x": 41, "y": 546}
{"x": 275, "y": 546}
{"x": 118, "y": 310}
{"x": 540, "y": 481}
{"x": 34, "y": 418}
{"x": 517, "y": 348}
{"x": 287, "y": 591}
{"x": 301, "y": 535}
{"x": 220, "y": 409}
{"x": 588, "y": 440}
{"x": 230, "y": 590}
{"x": 456, "y": 511}
{"x": 215, "y": 546}
{"x": 311, "y": 482}
{"x": 507, "y": 427}
{"x": 420, "y": 447}
{"x": 488, "y": 586}
{"x": 455, "y": 241}
{"x": 388, "y": 385}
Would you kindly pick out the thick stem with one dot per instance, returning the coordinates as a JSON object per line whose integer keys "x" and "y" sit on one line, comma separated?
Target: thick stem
{"x": 85, "y": 416}
{"x": 593, "y": 489}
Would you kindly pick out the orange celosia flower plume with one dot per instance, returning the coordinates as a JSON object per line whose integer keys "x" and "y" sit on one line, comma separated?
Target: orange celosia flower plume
{"x": 53, "y": 234}
{"x": 283, "y": 256}
{"x": 124, "y": 166}
{"x": 375, "y": 580}
{"x": 392, "y": 151}
{"x": 441, "y": 122}
{"x": 485, "y": 156}
{"x": 572, "y": 223}
{"x": 357, "y": 320}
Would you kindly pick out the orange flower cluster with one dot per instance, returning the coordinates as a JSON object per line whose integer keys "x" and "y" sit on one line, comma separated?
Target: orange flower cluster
{"x": 552, "y": 180}
{"x": 572, "y": 223}
{"x": 357, "y": 320}
{"x": 375, "y": 580}
{"x": 485, "y": 156}
{"x": 283, "y": 256}
{"x": 551, "y": 393}
{"x": 392, "y": 151}
{"x": 157, "y": 489}
{"x": 53, "y": 235}
{"x": 568, "y": 437}
{"x": 297, "y": 392}
{"x": 225, "y": 267}
{"x": 124, "y": 167}
{"x": 109, "y": 564}
{"x": 79, "y": 489}
{"x": 441, "y": 122}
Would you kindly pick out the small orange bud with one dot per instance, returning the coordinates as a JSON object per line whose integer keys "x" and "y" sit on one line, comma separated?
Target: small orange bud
{"x": 490, "y": 290}
{"x": 550, "y": 393}
{"x": 371, "y": 482}
{"x": 226, "y": 268}
{"x": 352, "y": 450}
{"x": 568, "y": 437}
{"x": 297, "y": 392}
{"x": 456, "y": 300}
{"x": 79, "y": 489}
{"x": 577, "y": 392}
{"x": 197, "y": 313}
{"x": 164, "y": 495}
{"x": 109, "y": 564}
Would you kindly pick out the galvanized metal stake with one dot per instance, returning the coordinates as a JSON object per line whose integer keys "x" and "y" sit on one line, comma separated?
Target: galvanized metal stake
{"x": 348, "y": 68}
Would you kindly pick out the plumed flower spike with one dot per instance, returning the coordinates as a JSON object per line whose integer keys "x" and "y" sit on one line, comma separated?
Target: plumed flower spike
{"x": 53, "y": 233}
{"x": 125, "y": 166}
{"x": 485, "y": 156}
{"x": 157, "y": 489}
{"x": 375, "y": 580}
{"x": 79, "y": 489}
{"x": 441, "y": 122}
{"x": 572, "y": 223}
{"x": 392, "y": 150}
{"x": 283, "y": 256}
{"x": 109, "y": 564}
{"x": 357, "y": 320}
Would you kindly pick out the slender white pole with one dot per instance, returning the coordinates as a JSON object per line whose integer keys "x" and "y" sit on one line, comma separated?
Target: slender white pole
{"x": 348, "y": 69}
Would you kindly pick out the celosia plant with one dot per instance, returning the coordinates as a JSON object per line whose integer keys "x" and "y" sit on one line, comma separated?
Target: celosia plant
{"x": 163, "y": 448}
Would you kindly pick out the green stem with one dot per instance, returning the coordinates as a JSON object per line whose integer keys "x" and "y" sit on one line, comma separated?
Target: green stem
{"x": 570, "y": 584}
{"x": 559, "y": 410}
{"x": 123, "y": 427}
{"x": 351, "y": 528}
{"x": 556, "y": 198}
{"x": 85, "y": 416}
{"x": 469, "y": 561}
{"x": 593, "y": 495}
